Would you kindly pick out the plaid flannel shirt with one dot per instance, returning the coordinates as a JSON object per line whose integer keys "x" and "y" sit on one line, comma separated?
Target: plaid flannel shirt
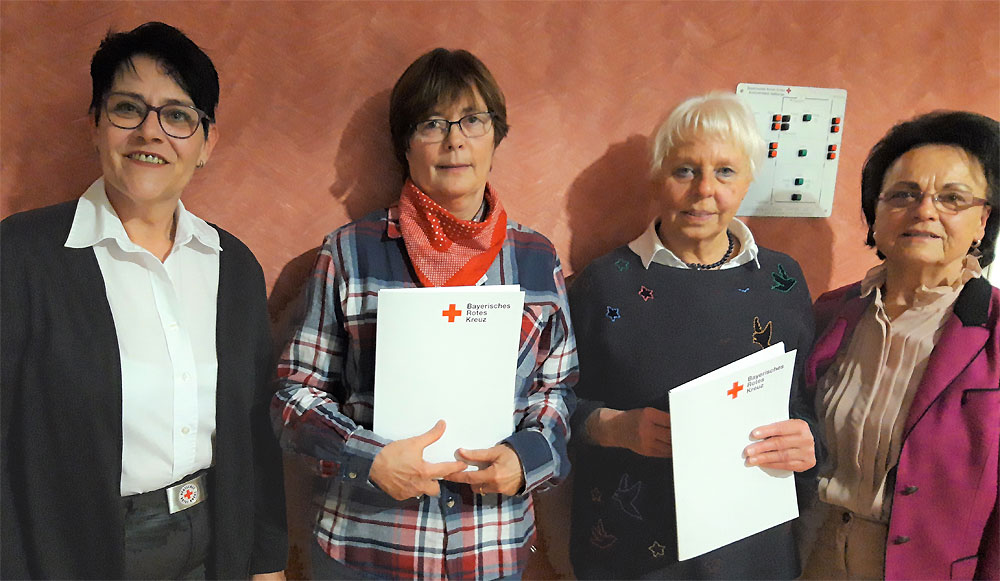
{"x": 323, "y": 409}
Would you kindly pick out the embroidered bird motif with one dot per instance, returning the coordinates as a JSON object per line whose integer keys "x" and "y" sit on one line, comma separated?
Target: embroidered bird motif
{"x": 761, "y": 335}
{"x": 626, "y": 496}
{"x": 782, "y": 282}
{"x": 599, "y": 537}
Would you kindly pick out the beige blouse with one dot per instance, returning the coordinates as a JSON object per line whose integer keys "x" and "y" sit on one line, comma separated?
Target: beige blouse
{"x": 864, "y": 398}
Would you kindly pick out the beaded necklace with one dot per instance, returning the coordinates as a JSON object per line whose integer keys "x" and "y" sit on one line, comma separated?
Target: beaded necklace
{"x": 721, "y": 261}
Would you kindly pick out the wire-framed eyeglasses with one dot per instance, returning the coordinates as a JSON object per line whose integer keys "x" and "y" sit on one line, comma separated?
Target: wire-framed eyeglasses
{"x": 128, "y": 112}
{"x": 947, "y": 201}
{"x": 437, "y": 130}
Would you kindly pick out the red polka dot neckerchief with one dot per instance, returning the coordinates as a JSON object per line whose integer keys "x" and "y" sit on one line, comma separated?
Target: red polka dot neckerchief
{"x": 445, "y": 250}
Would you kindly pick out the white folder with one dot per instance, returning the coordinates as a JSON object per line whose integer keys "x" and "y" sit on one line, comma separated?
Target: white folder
{"x": 719, "y": 499}
{"x": 447, "y": 353}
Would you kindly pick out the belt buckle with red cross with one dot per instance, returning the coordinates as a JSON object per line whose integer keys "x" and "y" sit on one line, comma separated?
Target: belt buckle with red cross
{"x": 186, "y": 494}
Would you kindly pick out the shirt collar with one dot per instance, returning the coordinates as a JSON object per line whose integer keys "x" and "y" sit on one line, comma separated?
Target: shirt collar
{"x": 650, "y": 249}
{"x": 875, "y": 278}
{"x": 95, "y": 221}
{"x": 392, "y": 230}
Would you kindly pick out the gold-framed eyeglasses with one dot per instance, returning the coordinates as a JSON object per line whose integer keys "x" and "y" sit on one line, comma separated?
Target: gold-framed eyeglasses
{"x": 436, "y": 130}
{"x": 128, "y": 112}
{"x": 946, "y": 201}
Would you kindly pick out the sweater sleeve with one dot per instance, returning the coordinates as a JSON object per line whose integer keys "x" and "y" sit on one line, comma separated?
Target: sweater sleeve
{"x": 307, "y": 410}
{"x": 801, "y": 405}
{"x": 588, "y": 390}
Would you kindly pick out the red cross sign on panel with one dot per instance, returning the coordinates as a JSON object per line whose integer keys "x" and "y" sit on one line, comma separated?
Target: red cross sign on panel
{"x": 803, "y": 128}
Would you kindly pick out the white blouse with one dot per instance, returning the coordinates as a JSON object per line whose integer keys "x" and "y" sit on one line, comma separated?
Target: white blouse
{"x": 164, "y": 314}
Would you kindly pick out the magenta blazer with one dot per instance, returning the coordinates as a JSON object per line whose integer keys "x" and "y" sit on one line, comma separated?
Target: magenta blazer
{"x": 944, "y": 518}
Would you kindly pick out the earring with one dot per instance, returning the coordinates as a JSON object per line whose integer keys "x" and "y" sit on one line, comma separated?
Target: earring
{"x": 200, "y": 165}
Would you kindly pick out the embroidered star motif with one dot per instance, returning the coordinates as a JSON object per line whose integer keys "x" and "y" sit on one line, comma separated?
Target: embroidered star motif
{"x": 621, "y": 264}
{"x": 612, "y": 314}
{"x": 595, "y": 494}
{"x": 645, "y": 293}
{"x": 657, "y": 549}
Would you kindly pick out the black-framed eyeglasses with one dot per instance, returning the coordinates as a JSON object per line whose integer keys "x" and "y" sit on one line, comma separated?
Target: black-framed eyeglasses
{"x": 437, "y": 130}
{"x": 947, "y": 201}
{"x": 128, "y": 112}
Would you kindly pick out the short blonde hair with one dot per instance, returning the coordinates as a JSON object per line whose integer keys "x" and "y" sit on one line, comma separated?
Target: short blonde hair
{"x": 715, "y": 115}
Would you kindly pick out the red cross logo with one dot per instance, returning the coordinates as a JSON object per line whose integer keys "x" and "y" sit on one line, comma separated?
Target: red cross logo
{"x": 735, "y": 390}
{"x": 188, "y": 494}
{"x": 451, "y": 313}
{"x": 788, "y": 91}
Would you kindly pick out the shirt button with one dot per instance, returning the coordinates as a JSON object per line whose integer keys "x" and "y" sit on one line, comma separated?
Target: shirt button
{"x": 172, "y": 326}
{"x": 909, "y": 490}
{"x": 352, "y": 475}
{"x": 451, "y": 503}
{"x": 185, "y": 430}
{"x": 846, "y": 517}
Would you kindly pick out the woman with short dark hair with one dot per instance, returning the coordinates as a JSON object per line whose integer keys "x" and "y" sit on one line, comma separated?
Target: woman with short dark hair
{"x": 136, "y": 351}
{"x": 386, "y": 512}
{"x": 906, "y": 370}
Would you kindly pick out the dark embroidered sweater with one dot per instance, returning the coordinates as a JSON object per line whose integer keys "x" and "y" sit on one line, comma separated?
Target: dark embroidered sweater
{"x": 641, "y": 333}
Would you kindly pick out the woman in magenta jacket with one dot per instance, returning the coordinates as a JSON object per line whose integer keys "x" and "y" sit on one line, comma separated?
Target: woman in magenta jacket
{"x": 906, "y": 367}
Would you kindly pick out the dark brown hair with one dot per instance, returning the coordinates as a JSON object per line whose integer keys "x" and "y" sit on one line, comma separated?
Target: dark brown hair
{"x": 441, "y": 76}
{"x": 977, "y": 134}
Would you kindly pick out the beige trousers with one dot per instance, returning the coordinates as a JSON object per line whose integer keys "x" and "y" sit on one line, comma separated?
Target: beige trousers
{"x": 847, "y": 547}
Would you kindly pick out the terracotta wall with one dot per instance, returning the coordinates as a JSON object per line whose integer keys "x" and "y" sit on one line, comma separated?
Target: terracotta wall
{"x": 304, "y": 136}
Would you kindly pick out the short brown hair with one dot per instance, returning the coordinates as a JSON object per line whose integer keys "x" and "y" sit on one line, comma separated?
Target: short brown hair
{"x": 441, "y": 76}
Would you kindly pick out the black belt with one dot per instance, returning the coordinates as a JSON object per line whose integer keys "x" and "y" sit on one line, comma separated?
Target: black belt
{"x": 190, "y": 491}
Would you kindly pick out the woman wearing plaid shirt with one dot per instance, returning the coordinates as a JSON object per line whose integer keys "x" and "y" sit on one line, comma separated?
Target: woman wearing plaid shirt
{"x": 386, "y": 512}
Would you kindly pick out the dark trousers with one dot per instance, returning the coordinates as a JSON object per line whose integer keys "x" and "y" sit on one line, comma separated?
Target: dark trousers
{"x": 160, "y": 545}
{"x": 325, "y": 567}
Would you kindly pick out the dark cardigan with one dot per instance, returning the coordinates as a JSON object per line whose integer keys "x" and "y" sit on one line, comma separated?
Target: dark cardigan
{"x": 61, "y": 412}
